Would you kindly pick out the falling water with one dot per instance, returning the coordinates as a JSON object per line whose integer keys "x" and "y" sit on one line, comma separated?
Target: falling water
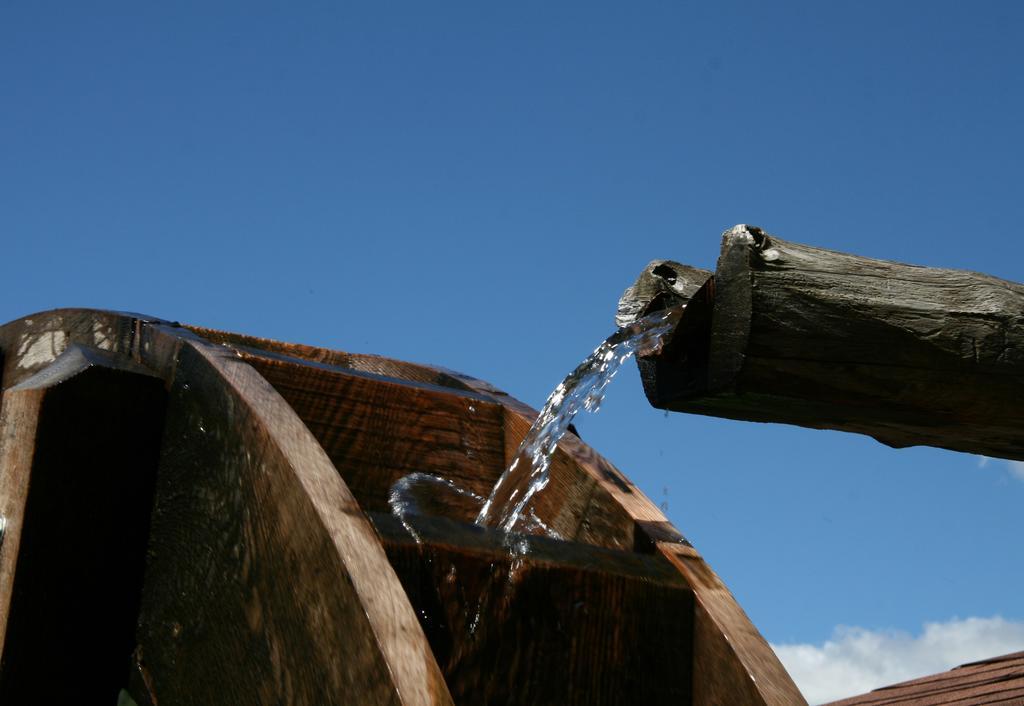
{"x": 508, "y": 505}
{"x": 583, "y": 388}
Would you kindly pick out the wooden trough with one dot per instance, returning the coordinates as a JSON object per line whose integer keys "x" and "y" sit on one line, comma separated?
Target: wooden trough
{"x": 201, "y": 517}
{"x": 789, "y": 333}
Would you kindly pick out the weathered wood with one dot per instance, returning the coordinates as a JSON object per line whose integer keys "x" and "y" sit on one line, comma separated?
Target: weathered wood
{"x": 554, "y": 623}
{"x": 366, "y": 586}
{"x": 19, "y": 418}
{"x": 589, "y": 500}
{"x": 377, "y": 430}
{"x": 33, "y": 342}
{"x": 732, "y": 664}
{"x": 360, "y": 362}
{"x": 661, "y": 285}
{"x": 908, "y": 355}
{"x": 367, "y": 416}
{"x": 266, "y": 583}
{"x": 79, "y": 442}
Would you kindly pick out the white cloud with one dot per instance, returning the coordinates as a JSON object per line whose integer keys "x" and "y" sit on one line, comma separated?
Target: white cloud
{"x": 1017, "y": 469}
{"x": 856, "y": 660}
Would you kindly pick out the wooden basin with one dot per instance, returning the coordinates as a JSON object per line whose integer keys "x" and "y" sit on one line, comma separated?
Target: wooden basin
{"x": 201, "y": 517}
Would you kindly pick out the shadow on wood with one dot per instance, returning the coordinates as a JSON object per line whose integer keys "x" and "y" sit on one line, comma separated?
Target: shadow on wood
{"x": 549, "y": 623}
{"x": 87, "y": 431}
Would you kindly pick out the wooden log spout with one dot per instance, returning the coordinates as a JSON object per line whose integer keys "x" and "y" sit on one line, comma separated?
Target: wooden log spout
{"x": 909, "y": 355}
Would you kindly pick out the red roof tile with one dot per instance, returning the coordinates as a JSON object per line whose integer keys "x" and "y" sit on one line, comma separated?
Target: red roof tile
{"x": 999, "y": 680}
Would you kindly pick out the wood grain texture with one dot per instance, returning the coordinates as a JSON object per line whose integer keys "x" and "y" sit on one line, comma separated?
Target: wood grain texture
{"x": 266, "y": 584}
{"x": 732, "y": 663}
{"x": 77, "y": 466}
{"x": 661, "y": 285}
{"x": 33, "y": 342}
{"x": 377, "y": 430}
{"x": 28, "y": 346}
{"x": 591, "y": 501}
{"x": 360, "y": 362}
{"x": 553, "y": 623}
{"x": 800, "y": 335}
{"x": 575, "y": 504}
{"x": 19, "y": 417}
{"x": 587, "y": 498}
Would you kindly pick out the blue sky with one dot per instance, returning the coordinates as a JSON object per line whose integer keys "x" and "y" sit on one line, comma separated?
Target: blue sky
{"x": 474, "y": 185}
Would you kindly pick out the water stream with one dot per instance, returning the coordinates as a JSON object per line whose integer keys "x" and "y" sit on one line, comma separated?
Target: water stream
{"x": 507, "y": 507}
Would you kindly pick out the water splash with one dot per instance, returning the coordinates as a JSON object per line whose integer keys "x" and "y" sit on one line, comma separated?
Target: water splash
{"x": 583, "y": 388}
{"x": 508, "y": 505}
{"x": 423, "y": 494}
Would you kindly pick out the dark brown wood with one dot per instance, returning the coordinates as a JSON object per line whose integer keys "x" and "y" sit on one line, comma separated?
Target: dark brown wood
{"x": 908, "y": 355}
{"x": 377, "y": 429}
{"x": 33, "y": 342}
{"x": 552, "y": 623}
{"x": 589, "y": 500}
{"x": 359, "y": 362}
{"x": 733, "y": 664}
{"x": 80, "y": 442}
{"x": 266, "y": 583}
{"x": 19, "y": 419}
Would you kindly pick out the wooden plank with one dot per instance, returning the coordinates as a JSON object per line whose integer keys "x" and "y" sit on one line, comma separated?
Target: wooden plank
{"x": 375, "y": 442}
{"x": 79, "y": 442}
{"x": 800, "y": 335}
{"x": 35, "y": 341}
{"x": 286, "y": 479}
{"x": 266, "y": 583}
{"x": 587, "y": 498}
{"x": 590, "y": 501}
{"x": 553, "y": 623}
{"x": 19, "y": 416}
{"x": 360, "y": 362}
{"x": 732, "y": 663}
{"x": 576, "y": 504}
{"x": 377, "y": 430}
